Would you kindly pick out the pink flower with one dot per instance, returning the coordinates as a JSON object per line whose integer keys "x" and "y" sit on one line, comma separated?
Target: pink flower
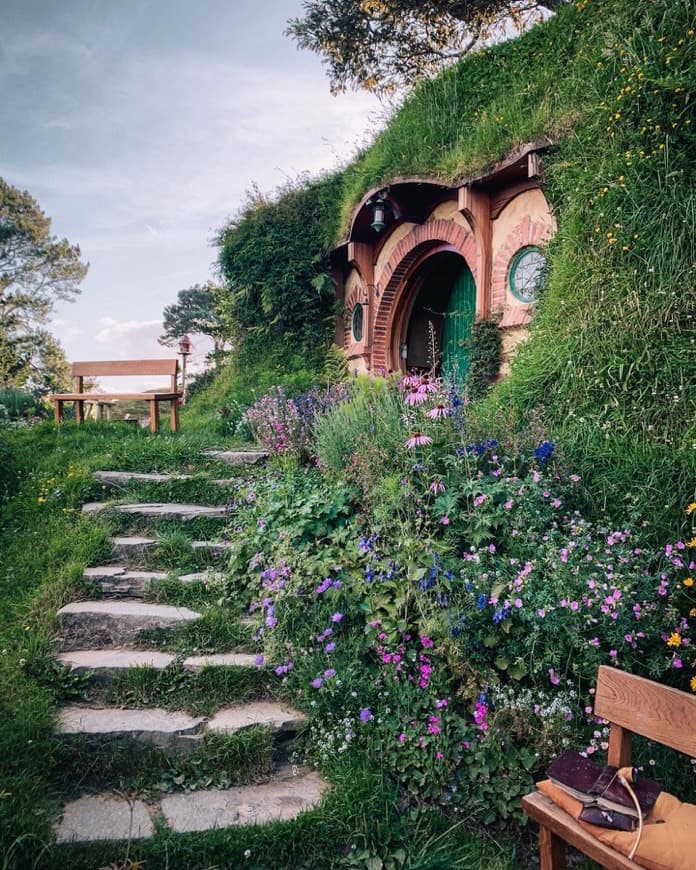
{"x": 553, "y": 677}
{"x": 415, "y": 397}
{"x": 418, "y": 440}
{"x": 445, "y": 521}
{"x": 438, "y": 411}
{"x": 437, "y": 486}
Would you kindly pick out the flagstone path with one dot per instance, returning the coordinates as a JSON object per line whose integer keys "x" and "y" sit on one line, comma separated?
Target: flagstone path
{"x": 102, "y": 639}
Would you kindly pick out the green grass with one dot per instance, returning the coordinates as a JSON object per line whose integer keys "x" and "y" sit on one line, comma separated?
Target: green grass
{"x": 217, "y": 631}
{"x": 219, "y": 761}
{"x": 200, "y": 694}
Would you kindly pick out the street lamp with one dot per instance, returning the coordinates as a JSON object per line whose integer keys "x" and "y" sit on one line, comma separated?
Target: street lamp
{"x": 185, "y": 350}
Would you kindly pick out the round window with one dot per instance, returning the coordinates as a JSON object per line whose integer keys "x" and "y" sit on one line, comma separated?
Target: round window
{"x": 357, "y": 322}
{"x": 526, "y": 272}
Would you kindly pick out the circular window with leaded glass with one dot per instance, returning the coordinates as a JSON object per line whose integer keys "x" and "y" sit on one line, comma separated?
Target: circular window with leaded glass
{"x": 526, "y": 273}
{"x": 357, "y": 322}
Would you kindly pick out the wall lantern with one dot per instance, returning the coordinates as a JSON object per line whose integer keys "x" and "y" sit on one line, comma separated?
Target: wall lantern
{"x": 184, "y": 344}
{"x": 379, "y": 213}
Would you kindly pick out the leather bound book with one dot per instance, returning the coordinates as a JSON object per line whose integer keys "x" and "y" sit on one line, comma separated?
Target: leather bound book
{"x": 599, "y": 786}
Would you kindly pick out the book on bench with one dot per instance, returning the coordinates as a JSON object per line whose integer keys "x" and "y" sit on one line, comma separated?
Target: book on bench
{"x": 606, "y": 801}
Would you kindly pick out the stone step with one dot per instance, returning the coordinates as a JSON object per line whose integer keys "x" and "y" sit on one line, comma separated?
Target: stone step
{"x": 119, "y": 581}
{"x": 160, "y": 510}
{"x": 105, "y": 664}
{"x": 131, "y": 548}
{"x": 237, "y": 457}
{"x": 155, "y": 727}
{"x": 113, "y": 817}
{"x": 268, "y": 714}
{"x": 147, "y": 727}
{"x": 194, "y": 664}
{"x": 103, "y": 817}
{"x": 210, "y": 545}
{"x": 94, "y": 624}
{"x": 280, "y": 800}
{"x": 123, "y": 478}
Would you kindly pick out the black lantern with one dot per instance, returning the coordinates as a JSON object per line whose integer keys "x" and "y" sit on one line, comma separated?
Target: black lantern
{"x": 379, "y": 212}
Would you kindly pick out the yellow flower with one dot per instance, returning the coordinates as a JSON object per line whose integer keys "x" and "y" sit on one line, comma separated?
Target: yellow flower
{"x": 690, "y": 508}
{"x": 674, "y": 639}
{"x": 692, "y": 612}
{"x": 691, "y": 543}
{"x": 688, "y": 581}
{"x": 693, "y": 684}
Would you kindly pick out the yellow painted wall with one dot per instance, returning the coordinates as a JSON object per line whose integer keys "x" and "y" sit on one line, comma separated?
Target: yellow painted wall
{"x": 388, "y": 247}
{"x": 532, "y": 203}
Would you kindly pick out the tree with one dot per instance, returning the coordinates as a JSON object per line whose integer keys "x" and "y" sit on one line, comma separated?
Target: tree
{"x": 36, "y": 269}
{"x": 195, "y": 312}
{"x": 387, "y": 45}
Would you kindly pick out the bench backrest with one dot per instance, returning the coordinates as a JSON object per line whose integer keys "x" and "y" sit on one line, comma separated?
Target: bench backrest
{"x": 126, "y": 367}
{"x": 635, "y": 705}
{"x": 170, "y": 367}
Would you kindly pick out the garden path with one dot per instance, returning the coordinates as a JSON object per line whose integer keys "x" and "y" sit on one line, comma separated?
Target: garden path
{"x": 113, "y": 641}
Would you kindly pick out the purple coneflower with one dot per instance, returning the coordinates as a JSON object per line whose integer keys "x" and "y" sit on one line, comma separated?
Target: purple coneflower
{"x": 416, "y": 397}
{"x": 418, "y": 440}
{"x": 439, "y": 410}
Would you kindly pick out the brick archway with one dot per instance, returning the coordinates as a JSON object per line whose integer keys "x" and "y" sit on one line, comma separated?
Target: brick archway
{"x": 432, "y": 236}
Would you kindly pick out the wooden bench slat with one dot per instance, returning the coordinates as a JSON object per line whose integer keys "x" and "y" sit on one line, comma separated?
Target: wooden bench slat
{"x": 125, "y": 367}
{"x": 544, "y": 811}
{"x": 661, "y": 713}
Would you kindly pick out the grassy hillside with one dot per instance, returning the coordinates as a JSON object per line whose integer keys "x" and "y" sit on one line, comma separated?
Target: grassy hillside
{"x": 609, "y": 365}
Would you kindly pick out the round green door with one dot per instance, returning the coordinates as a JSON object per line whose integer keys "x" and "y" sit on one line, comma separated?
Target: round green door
{"x": 459, "y": 319}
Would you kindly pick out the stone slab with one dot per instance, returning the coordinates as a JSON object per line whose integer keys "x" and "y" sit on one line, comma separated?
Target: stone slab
{"x": 94, "y": 624}
{"x": 267, "y": 714}
{"x": 131, "y": 547}
{"x": 119, "y": 582}
{"x": 149, "y": 727}
{"x": 202, "y": 577}
{"x": 103, "y": 817}
{"x": 106, "y": 663}
{"x": 162, "y": 510}
{"x": 123, "y": 478}
{"x": 279, "y": 800}
{"x": 237, "y": 660}
{"x": 210, "y": 545}
{"x": 237, "y": 457}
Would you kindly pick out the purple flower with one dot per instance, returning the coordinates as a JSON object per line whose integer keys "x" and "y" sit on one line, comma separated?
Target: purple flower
{"x": 330, "y": 647}
{"x": 258, "y": 661}
{"x": 418, "y": 440}
{"x": 337, "y": 617}
{"x": 317, "y": 684}
{"x": 365, "y": 715}
{"x": 329, "y": 674}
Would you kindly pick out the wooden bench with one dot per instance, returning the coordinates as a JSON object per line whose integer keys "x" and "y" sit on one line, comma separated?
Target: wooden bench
{"x": 81, "y": 370}
{"x": 631, "y": 705}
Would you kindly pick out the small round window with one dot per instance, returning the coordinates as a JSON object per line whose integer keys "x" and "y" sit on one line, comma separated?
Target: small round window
{"x": 357, "y": 322}
{"x": 526, "y": 273}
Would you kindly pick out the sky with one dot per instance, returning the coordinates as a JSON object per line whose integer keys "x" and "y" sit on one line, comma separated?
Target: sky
{"x": 139, "y": 125}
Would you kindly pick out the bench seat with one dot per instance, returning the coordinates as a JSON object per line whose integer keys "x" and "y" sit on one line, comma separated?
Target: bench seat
{"x": 557, "y": 827}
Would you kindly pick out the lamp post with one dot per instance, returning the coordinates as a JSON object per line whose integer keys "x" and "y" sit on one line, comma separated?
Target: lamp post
{"x": 184, "y": 350}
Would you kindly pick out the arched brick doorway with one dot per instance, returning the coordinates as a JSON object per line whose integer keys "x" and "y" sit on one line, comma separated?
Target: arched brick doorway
{"x": 433, "y": 314}
{"x": 436, "y": 248}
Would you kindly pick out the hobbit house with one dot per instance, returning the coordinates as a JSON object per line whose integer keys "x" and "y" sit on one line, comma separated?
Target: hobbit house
{"x": 423, "y": 261}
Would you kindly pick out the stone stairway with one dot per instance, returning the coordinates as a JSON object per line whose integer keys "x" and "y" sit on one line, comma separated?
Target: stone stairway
{"x": 101, "y": 640}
